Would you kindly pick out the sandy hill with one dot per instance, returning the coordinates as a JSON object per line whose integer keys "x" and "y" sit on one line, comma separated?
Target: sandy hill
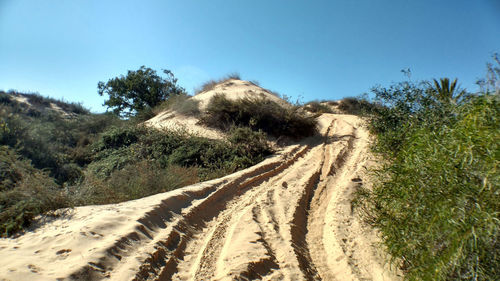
{"x": 235, "y": 89}
{"x": 232, "y": 89}
{"x": 36, "y": 102}
{"x": 286, "y": 218}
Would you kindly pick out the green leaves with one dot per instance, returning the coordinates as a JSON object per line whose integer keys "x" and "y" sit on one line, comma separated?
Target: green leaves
{"x": 446, "y": 91}
{"x": 437, "y": 202}
{"x": 139, "y": 90}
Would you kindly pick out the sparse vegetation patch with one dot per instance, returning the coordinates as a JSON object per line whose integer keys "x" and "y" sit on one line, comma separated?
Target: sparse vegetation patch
{"x": 317, "y": 107}
{"x": 182, "y": 104}
{"x": 210, "y": 85}
{"x": 49, "y": 162}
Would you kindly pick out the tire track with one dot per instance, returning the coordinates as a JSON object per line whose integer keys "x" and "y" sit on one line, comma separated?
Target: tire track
{"x": 272, "y": 221}
{"x": 320, "y": 201}
{"x": 174, "y": 219}
{"x": 196, "y": 220}
{"x": 217, "y": 238}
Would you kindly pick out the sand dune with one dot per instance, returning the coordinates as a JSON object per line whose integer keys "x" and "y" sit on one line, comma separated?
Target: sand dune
{"x": 287, "y": 218}
{"x": 232, "y": 89}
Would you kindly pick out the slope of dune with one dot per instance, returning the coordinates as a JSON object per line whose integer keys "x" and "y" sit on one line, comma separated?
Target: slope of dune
{"x": 287, "y": 218}
{"x": 232, "y": 89}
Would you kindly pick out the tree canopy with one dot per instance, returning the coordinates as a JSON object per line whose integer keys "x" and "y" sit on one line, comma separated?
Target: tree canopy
{"x": 139, "y": 90}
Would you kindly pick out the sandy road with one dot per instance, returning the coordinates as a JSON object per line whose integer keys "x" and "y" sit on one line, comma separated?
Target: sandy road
{"x": 287, "y": 218}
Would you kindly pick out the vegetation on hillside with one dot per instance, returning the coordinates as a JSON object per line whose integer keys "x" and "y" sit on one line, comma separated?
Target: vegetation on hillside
{"x": 66, "y": 156}
{"x": 259, "y": 113}
{"x": 50, "y": 160}
{"x": 318, "y": 107}
{"x": 181, "y": 104}
{"x": 436, "y": 199}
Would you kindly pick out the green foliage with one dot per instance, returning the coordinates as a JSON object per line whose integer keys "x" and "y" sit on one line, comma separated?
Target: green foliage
{"x": 172, "y": 158}
{"x": 99, "y": 159}
{"x": 123, "y": 146}
{"x": 25, "y": 192}
{"x": 249, "y": 144}
{"x": 402, "y": 107}
{"x": 139, "y": 90}
{"x": 44, "y": 103}
{"x": 436, "y": 201}
{"x": 258, "y": 114}
{"x": 51, "y": 140}
{"x": 446, "y": 91}
{"x": 43, "y": 150}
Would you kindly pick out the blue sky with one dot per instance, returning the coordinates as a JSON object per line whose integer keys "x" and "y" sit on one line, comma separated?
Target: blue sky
{"x": 313, "y": 49}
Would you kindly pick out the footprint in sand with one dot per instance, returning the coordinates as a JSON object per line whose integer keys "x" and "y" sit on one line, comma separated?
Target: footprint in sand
{"x": 284, "y": 184}
{"x": 95, "y": 234}
{"x": 91, "y": 233}
{"x": 63, "y": 253}
{"x": 34, "y": 268}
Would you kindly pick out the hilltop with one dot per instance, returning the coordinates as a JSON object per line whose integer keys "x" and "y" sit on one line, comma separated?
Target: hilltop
{"x": 190, "y": 113}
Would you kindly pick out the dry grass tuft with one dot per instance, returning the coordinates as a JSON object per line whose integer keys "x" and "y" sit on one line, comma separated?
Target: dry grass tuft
{"x": 210, "y": 85}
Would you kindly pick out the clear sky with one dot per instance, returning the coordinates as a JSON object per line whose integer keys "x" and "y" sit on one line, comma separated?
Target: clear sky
{"x": 314, "y": 49}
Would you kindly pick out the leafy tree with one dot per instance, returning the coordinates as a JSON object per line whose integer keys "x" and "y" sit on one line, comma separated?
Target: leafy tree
{"x": 139, "y": 90}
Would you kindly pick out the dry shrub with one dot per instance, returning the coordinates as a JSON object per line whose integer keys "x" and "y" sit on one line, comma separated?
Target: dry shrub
{"x": 210, "y": 85}
{"x": 259, "y": 114}
{"x": 356, "y": 106}
{"x": 136, "y": 180}
{"x": 182, "y": 104}
{"x": 317, "y": 107}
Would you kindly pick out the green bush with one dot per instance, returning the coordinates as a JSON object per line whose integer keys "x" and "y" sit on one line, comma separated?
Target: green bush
{"x": 118, "y": 137}
{"x": 258, "y": 114}
{"x": 25, "y": 192}
{"x": 51, "y": 141}
{"x": 120, "y": 147}
{"x": 249, "y": 144}
{"x": 139, "y": 90}
{"x": 436, "y": 200}
{"x": 44, "y": 104}
{"x": 4, "y": 98}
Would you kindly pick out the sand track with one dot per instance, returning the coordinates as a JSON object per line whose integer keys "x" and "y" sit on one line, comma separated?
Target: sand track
{"x": 287, "y": 218}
